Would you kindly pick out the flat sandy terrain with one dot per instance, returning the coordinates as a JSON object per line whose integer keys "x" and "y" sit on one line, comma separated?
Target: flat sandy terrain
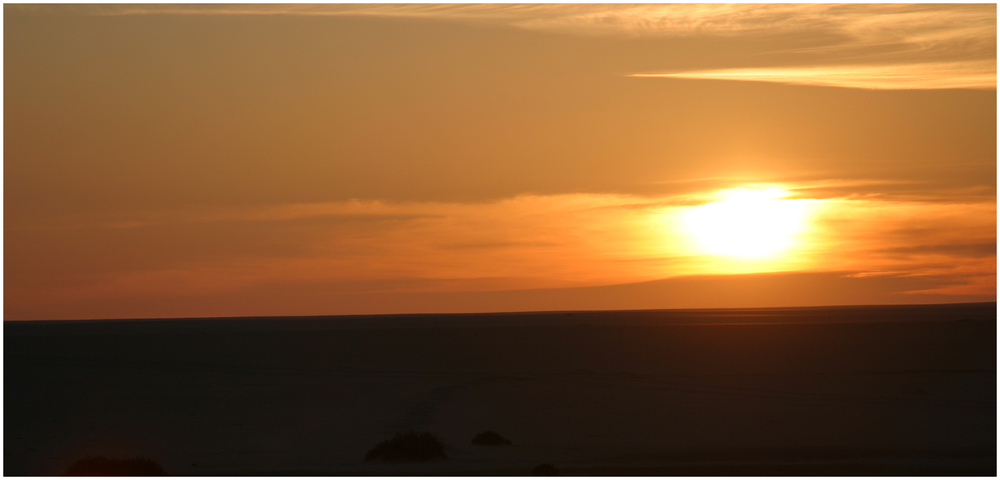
{"x": 832, "y": 391}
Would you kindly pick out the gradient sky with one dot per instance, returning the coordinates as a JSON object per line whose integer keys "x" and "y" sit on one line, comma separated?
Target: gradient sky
{"x": 240, "y": 160}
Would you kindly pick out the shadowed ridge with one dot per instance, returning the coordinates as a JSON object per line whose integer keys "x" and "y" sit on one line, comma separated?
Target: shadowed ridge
{"x": 545, "y": 470}
{"x": 110, "y": 467}
{"x": 489, "y": 437}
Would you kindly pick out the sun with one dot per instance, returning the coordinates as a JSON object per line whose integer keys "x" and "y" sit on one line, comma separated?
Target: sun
{"x": 747, "y": 223}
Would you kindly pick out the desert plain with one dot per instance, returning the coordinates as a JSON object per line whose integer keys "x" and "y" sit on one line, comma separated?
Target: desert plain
{"x": 877, "y": 390}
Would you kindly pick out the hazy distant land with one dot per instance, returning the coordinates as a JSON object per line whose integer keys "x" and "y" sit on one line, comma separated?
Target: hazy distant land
{"x": 878, "y": 390}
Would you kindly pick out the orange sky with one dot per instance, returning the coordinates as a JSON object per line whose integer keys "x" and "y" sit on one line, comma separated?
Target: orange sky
{"x": 238, "y": 160}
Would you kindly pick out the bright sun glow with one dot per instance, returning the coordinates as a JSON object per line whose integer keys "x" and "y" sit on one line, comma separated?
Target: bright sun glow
{"x": 747, "y": 223}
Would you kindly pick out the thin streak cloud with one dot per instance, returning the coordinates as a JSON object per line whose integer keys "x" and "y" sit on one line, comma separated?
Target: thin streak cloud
{"x": 976, "y": 75}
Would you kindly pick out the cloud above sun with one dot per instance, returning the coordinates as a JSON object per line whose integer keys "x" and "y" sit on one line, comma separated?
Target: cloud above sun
{"x": 566, "y": 241}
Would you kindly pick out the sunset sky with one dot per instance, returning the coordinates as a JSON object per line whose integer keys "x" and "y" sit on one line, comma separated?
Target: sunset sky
{"x": 243, "y": 160}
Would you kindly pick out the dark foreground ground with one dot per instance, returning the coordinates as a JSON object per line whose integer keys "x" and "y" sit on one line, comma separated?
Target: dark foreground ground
{"x": 814, "y": 391}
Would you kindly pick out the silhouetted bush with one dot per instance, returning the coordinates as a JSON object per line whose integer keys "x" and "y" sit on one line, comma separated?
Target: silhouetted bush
{"x": 110, "y": 467}
{"x": 545, "y": 469}
{"x": 408, "y": 447}
{"x": 489, "y": 437}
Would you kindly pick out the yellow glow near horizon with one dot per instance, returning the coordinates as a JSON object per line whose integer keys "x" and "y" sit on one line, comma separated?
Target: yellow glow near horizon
{"x": 747, "y": 223}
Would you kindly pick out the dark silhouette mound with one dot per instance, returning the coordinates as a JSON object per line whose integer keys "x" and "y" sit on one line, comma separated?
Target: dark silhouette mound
{"x": 545, "y": 469}
{"x": 489, "y": 437}
{"x": 110, "y": 467}
{"x": 408, "y": 447}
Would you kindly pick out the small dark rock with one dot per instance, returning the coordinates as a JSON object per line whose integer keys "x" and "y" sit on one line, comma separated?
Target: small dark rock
{"x": 408, "y": 447}
{"x": 489, "y": 437}
{"x": 545, "y": 469}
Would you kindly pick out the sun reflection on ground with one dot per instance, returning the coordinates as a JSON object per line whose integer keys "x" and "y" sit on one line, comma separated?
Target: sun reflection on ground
{"x": 747, "y": 223}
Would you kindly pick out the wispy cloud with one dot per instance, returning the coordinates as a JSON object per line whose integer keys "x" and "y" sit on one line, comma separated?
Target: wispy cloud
{"x": 858, "y": 46}
{"x": 925, "y": 24}
{"x": 877, "y": 46}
